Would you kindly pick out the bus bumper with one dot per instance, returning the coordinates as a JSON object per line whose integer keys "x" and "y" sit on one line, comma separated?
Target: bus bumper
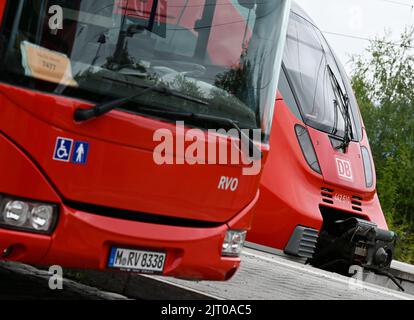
{"x": 83, "y": 241}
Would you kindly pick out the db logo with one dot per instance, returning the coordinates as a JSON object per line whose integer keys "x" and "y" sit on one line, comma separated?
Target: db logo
{"x": 344, "y": 169}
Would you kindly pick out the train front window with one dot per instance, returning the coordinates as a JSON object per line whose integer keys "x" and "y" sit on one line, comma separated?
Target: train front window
{"x": 218, "y": 51}
{"x": 309, "y": 61}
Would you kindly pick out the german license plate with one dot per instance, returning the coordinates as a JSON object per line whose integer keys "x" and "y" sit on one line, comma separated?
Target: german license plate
{"x": 137, "y": 260}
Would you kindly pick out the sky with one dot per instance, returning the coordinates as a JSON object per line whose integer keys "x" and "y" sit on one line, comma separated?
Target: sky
{"x": 358, "y": 18}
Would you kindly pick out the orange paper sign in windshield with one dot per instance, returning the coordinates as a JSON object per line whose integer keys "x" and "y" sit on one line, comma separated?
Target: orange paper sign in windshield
{"x": 47, "y": 65}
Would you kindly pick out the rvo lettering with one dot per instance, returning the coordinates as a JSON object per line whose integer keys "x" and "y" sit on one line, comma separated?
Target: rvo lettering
{"x": 228, "y": 183}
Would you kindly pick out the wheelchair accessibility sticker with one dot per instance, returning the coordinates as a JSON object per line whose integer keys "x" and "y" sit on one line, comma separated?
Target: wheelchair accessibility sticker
{"x": 68, "y": 150}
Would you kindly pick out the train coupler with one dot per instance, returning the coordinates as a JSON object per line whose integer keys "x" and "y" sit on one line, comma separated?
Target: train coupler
{"x": 354, "y": 242}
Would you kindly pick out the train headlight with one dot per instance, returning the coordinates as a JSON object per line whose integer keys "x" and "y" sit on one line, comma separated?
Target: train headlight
{"x": 233, "y": 243}
{"x": 308, "y": 150}
{"x": 27, "y": 215}
{"x": 369, "y": 172}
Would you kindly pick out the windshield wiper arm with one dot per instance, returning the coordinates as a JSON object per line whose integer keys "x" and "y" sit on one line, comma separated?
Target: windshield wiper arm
{"x": 100, "y": 109}
{"x": 345, "y": 111}
{"x": 105, "y": 107}
{"x": 251, "y": 146}
{"x": 221, "y": 121}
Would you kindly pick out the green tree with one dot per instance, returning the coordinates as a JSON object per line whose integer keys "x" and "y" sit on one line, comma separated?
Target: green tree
{"x": 383, "y": 81}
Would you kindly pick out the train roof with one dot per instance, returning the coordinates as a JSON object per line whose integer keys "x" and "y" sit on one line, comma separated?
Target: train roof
{"x": 297, "y": 9}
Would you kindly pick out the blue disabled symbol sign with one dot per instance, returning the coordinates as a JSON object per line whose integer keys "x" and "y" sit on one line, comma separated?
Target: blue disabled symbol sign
{"x": 69, "y": 150}
{"x": 63, "y": 149}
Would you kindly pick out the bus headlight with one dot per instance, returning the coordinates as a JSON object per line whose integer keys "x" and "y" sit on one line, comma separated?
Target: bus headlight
{"x": 27, "y": 215}
{"x": 233, "y": 243}
{"x": 15, "y": 213}
{"x": 41, "y": 217}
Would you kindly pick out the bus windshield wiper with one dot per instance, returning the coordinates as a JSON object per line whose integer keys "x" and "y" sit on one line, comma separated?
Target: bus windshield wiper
{"x": 205, "y": 118}
{"x": 105, "y": 107}
{"x": 223, "y": 121}
{"x": 345, "y": 110}
{"x": 252, "y": 149}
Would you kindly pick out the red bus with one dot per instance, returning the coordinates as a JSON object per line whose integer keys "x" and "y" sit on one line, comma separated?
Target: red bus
{"x": 84, "y": 87}
{"x": 318, "y": 190}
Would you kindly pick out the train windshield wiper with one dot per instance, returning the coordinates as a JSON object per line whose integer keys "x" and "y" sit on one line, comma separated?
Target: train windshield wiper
{"x": 345, "y": 110}
{"x": 105, "y": 107}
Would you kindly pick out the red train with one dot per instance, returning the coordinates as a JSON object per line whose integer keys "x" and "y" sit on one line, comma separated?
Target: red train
{"x": 318, "y": 191}
{"x": 80, "y": 187}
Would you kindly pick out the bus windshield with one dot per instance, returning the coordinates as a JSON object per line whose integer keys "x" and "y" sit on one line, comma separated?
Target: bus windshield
{"x": 224, "y": 52}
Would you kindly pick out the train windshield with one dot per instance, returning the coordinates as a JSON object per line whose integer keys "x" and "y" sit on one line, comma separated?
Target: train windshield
{"x": 312, "y": 67}
{"x": 224, "y": 52}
